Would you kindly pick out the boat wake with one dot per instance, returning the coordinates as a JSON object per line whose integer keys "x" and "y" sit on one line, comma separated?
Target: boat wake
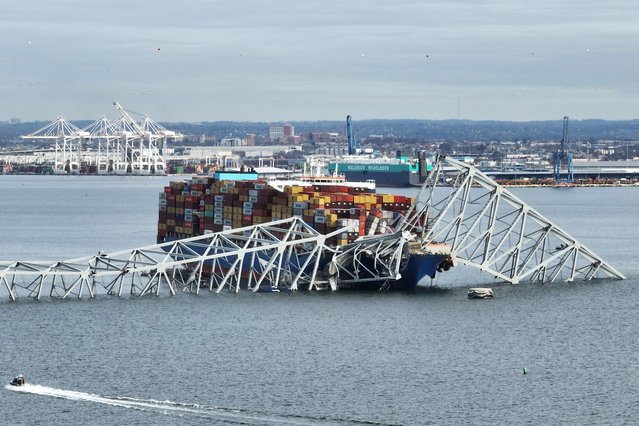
{"x": 228, "y": 415}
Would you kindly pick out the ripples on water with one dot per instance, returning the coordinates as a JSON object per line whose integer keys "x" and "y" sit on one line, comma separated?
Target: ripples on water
{"x": 429, "y": 357}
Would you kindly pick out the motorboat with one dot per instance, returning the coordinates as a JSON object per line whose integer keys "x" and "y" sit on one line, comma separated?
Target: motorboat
{"x": 18, "y": 380}
{"x": 480, "y": 293}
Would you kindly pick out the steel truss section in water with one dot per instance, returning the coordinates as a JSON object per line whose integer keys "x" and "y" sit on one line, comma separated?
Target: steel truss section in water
{"x": 458, "y": 207}
{"x": 281, "y": 255}
{"x": 489, "y": 228}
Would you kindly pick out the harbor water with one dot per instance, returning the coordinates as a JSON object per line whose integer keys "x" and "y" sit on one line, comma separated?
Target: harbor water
{"x": 427, "y": 357}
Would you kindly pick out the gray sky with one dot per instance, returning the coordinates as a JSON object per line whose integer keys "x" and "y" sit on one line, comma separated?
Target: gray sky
{"x": 285, "y": 60}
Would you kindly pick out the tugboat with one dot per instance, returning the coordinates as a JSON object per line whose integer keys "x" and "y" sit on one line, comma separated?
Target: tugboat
{"x": 18, "y": 380}
{"x": 480, "y": 293}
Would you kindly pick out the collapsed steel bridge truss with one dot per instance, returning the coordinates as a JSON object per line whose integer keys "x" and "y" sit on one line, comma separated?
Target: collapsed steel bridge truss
{"x": 484, "y": 225}
{"x": 491, "y": 229}
{"x": 282, "y": 255}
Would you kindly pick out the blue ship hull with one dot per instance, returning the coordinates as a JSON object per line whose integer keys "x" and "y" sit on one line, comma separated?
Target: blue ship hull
{"x": 418, "y": 267}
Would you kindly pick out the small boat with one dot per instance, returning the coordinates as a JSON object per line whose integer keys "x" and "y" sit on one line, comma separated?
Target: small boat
{"x": 480, "y": 293}
{"x": 18, "y": 380}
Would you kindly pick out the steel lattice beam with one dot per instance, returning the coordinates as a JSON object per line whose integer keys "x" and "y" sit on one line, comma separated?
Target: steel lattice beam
{"x": 284, "y": 254}
{"x": 491, "y": 229}
{"x": 485, "y": 226}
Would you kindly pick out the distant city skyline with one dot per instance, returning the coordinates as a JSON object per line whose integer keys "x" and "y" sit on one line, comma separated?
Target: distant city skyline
{"x": 285, "y": 60}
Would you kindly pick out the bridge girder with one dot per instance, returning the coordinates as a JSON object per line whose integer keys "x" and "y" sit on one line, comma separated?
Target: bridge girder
{"x": 491, "y": 229}
{"x": 485, "y": 225}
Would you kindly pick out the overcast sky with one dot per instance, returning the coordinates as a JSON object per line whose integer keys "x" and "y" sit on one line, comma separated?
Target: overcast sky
{"x": 286, "y": 60}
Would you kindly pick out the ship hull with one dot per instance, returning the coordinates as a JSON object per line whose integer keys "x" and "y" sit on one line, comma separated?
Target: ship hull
{"x": 384, "y": 173}
{"x": 417, "y": 268}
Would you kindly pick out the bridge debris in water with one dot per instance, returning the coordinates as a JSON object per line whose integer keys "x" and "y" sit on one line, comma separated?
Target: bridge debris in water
{"x": 482, "y": 223}
{"x": 490, "y": 229}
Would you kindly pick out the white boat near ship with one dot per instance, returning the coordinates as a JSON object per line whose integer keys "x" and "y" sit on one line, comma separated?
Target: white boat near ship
{"x": 480, "y": 293}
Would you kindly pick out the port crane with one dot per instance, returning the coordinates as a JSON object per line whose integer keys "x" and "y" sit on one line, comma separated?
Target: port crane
{"x": 124, "y": 146}
{"x": 352, "y": 143}
{"x": 562, "y": 153}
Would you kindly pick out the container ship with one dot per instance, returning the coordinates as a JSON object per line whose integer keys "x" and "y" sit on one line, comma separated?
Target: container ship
{"x": 228, "y": 201}
{"x": 386, "y": 172}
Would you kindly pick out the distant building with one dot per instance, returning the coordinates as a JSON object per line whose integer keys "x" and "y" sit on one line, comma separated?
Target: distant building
{"x": 233, "y": 142}
{"x": 281, "y": 133}
{"x": 294, "y": 140}
{"x": 324, "y": 137}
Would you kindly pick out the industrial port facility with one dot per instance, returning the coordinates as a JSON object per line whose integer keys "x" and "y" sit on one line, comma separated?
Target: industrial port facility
{"x": 122, "y": 146}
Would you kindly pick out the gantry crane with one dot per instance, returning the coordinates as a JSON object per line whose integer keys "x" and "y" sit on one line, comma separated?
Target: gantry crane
{"x": 352, "y": 143}
{"x": 563, "y": 152}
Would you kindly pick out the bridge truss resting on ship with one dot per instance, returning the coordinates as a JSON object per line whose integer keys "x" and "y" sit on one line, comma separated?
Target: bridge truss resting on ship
{"x": 287, "y": 254}
{"x": 490, "y": 229}
{"x": 485, "y": 226}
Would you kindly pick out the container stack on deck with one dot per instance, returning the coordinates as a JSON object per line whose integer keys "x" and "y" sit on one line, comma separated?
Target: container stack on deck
{"x": 190, "y": 208}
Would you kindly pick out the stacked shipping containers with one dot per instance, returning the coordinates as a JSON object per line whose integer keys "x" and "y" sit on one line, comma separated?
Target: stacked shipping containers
{"x": 205, "y": 204}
